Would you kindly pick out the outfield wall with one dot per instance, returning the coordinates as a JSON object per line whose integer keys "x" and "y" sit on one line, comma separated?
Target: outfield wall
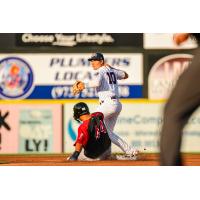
{"x": 139, "y": 124}
{"x": 43, "y": 127}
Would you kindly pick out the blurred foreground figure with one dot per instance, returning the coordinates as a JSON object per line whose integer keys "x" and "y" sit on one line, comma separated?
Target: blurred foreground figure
{"x": 184, "y": 100}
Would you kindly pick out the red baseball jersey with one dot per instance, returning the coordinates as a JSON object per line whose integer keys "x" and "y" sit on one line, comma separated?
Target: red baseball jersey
{"x": 92, "y": 134}
{"x": 83, "y": 134}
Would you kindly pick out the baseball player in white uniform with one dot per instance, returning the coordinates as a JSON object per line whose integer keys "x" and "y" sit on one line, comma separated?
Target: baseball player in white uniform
{"x": 106, "y": 84}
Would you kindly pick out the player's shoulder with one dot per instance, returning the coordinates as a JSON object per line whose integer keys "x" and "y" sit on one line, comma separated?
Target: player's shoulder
{"x": 110, "y": 68}
{"x": 104, "y": 69}
{"x": 83, "y": 126}
{"x": 97, "y": 114}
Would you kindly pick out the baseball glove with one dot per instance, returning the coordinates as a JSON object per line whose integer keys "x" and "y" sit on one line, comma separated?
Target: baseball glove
{"x": 77, "y": 87}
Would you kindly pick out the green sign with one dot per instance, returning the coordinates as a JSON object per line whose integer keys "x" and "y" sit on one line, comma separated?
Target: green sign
{"x": 35, "y": 131}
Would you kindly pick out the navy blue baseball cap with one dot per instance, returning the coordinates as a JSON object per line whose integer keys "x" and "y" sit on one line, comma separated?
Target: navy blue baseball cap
{"x": 96, "y": 56}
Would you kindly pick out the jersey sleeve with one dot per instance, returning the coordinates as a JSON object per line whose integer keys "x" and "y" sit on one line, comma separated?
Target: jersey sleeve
{"x": 81, "y": 138}
{"x": 119, "y": 74}
{"x": 95, "y": 82}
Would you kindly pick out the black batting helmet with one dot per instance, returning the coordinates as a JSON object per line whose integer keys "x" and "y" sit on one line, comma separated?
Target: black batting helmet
{"x": 80, "y": 109}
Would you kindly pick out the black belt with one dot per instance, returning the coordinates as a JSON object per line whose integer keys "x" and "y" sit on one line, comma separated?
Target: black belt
{"x": 113, "y": 97}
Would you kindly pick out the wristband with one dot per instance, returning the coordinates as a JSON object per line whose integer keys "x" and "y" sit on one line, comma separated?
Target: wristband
{"x": 75, "y": 155}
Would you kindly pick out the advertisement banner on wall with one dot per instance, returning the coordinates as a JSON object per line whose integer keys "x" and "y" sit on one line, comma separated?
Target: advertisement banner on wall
{"x": 9, "y": 126}
{"x": 79, "y": 39}
{"x": 164, "y": 73}
{"x": 50, "y": 76}
{"x": 31, "y": 128}
{"x": 165, "y": 41}
{"x": 36, "y": 131}
{"x": 143, "y": 122}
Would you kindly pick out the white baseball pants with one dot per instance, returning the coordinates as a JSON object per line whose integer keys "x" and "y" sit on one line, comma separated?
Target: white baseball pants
{"x": 111, "y": 109}
{"x": 104, "y": 156}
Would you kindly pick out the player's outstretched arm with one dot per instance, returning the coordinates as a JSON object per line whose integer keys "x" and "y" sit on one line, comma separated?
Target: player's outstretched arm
{"x": 76, "y": 153}
{"x": 121, "y": 74}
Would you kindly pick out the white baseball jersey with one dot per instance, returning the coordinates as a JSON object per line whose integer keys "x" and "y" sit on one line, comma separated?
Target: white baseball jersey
{"x": 105, "y": 82}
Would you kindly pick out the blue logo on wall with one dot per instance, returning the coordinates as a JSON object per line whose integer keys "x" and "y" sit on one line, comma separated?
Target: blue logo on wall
{"x": 16, "y": 78}
{"x": 71, "y": 132}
